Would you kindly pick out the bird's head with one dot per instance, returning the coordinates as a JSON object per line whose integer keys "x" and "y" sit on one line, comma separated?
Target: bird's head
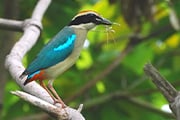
{"x": 88, "y": 20}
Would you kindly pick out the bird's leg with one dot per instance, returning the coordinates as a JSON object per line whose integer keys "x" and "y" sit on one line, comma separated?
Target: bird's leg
{"x": 50, "y": 86}
{"x": 44, "y": 86}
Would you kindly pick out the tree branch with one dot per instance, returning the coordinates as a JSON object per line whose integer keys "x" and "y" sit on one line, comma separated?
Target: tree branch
{"x": 169, "y": 92}
{"x": 161, "y": 83}
{"x": 11, "y": 24}
{"x": 32, "y": 28}
{"x": 13, "y": 60}
{"x": 55, "y": 111}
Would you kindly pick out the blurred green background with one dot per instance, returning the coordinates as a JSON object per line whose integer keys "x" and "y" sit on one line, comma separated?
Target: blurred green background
{"x": 108, "y": 78}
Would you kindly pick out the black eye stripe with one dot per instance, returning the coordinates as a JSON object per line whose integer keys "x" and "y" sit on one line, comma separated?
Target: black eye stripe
{"x": 88, "y": 18}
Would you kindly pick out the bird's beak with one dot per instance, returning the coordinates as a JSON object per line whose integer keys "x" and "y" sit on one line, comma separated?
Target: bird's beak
{"x": 105, "y": 22}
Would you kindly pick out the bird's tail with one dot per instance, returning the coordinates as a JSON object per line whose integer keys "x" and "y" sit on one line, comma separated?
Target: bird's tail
{"x": 24, "y": 74}
{"x": 38, "y": 75}
{"x": 27, "y": 81}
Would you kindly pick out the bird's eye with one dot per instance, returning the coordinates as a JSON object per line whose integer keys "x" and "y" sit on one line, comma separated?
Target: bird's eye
{"x": 92, "y": 15}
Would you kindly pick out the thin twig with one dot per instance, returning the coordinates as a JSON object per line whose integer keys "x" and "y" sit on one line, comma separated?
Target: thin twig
{"x": 123, "y": 96}
{"x": 149, "y": 107}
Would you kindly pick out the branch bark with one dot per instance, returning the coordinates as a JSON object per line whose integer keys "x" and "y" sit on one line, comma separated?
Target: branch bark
{"x": 57, "y": 112}
{"x": 11, "y": 24}
{"x": 37, "y": 95}
{"x": 13, "y": 60}
{"x": 169, "y": 92}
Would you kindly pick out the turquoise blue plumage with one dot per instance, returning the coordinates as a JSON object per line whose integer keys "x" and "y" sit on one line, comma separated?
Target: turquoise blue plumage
{"x": 54, "y": 52}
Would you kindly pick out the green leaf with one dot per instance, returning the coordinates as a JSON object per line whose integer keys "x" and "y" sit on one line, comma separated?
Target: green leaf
{"x": 85, "y": 61}
{"x": 138, "y": 57}
{"x": 100, "y": 87}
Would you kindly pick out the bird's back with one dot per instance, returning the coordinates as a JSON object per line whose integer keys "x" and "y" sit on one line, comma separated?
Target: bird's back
{"x": 55, "y": 51}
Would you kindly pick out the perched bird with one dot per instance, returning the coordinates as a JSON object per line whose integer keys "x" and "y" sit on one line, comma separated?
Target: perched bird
{"x": 62, "y": 51}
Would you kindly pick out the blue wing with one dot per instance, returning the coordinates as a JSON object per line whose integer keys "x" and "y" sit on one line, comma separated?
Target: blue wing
{"x": 55, "y": 51}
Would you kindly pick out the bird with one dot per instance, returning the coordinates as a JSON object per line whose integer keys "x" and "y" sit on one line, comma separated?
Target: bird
{"x": 60, "y": 53}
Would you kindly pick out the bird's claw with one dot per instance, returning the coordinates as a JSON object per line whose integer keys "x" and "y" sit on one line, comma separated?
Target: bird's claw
{"x": 61, "y": 102}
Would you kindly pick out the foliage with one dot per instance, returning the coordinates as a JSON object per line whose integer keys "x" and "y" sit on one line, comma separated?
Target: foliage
{"x": 160, "y": 46}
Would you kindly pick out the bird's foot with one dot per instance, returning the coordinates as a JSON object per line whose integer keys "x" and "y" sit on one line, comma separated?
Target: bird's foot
{"x": 61, "y": 102}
